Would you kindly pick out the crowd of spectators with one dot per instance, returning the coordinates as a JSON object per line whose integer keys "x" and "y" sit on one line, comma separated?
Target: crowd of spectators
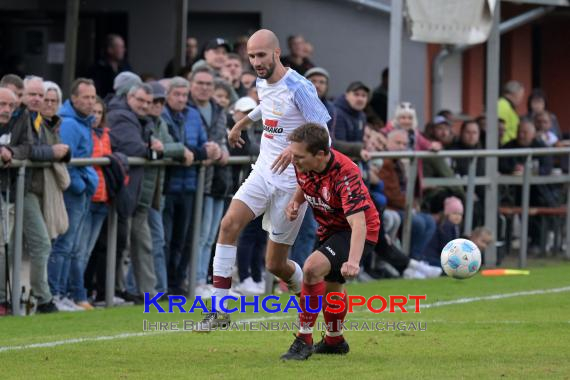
{"x": 184, "y": 117}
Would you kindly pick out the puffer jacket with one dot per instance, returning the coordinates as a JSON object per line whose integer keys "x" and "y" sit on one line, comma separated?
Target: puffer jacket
{"x": 218, "y": 179}
{"x": 101, "y": 148}
{"x": 185, "y": 127}
{"x": 75, "y": 131}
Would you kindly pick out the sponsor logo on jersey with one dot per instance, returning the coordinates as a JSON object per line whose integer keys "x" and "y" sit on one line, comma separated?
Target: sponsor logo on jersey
{"x": 318, "y": 203}
{"x": 271, "y": 128}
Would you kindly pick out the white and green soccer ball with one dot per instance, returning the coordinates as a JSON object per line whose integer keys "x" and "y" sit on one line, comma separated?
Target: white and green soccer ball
{"x": 460, "y": 258}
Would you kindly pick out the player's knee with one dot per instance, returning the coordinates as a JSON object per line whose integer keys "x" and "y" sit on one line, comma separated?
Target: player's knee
{"x": 276, "y": 266}
{"x": 229, "y": 225}
{"x": 311, "y": 273}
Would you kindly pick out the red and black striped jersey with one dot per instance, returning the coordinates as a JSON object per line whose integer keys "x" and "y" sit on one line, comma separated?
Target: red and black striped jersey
{"x": 337, "y": 193}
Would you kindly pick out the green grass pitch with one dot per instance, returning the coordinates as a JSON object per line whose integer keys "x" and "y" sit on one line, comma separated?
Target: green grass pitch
{"x": 524, "y": 335}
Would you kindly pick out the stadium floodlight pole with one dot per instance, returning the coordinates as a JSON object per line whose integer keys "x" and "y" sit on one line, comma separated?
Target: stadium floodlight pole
{"x": 71, "y": 25}
{"x": 395, "y": 62}
{"x": 181, "y": 10}
{"x": 492, "y": 135}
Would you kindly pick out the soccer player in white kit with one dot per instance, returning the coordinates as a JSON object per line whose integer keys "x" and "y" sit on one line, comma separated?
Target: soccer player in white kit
{"x": 287, "y": 101}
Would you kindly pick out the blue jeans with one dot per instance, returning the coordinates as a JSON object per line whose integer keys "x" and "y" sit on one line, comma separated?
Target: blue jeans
{"x": 305, "y": 242}
{"x": 67, "y": 246}
{"x": 423, "y": 228}
{"x": 212, "y": 215}
{"x": 177, "y": 216}
{"x": 89, "y": 235}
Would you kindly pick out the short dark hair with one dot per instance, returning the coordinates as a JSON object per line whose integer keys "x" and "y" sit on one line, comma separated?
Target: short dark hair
{"x": 466, "y": 123}
{"x": 79, "y": 81}
{"x": 234, "y": 56}
{"x": 12, "y": 79}
{"x": 292, "y": 37}
{"x": 110, "y": 39}
{"x": 201, "y": 69}
{"x": 314, "y": 135}
{"x": 100, "y": 101}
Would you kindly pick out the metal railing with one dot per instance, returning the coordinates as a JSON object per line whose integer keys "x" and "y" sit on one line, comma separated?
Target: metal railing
{"x": 470, "y": 181}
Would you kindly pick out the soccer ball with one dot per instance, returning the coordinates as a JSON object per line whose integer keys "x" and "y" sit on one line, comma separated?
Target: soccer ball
{"x": 460, "y": 258}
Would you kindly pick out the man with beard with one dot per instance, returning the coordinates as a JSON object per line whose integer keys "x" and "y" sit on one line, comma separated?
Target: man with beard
{"x": 287, "y": 101}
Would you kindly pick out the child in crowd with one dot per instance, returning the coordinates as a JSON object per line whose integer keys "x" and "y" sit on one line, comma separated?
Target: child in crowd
{"x": 448, "y": 229}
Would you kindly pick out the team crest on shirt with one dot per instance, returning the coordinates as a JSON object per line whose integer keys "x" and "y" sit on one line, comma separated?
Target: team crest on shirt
{"x": 325, "y": 193}
{"x": 277, "y": 108}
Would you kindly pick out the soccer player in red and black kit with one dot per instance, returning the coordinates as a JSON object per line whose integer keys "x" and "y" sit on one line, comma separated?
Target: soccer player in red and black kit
{"x": 348, "y": 227}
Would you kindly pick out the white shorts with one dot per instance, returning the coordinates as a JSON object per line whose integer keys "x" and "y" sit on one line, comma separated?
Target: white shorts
{"x": 264, "y": 198}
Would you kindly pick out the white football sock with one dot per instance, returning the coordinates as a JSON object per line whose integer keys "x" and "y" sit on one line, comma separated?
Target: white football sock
{"x": 224, "y": 260}
{"x": 295, "y": 282}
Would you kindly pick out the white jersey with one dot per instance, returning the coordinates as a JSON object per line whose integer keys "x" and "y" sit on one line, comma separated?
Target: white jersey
{"x": 284, "y": 106}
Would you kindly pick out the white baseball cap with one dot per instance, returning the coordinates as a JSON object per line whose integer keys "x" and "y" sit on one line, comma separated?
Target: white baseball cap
{"x": 245, "y": 104}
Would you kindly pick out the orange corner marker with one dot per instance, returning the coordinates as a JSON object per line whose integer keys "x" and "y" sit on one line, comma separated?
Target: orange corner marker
{"x": 504, "y": 272}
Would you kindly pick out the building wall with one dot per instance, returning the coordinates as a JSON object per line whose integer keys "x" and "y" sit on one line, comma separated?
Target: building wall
{"x": 474, "y": 80}
{"x": 555, "y": 61}
{"x": 516, "y": 55}
{"x": 351, "y": 43}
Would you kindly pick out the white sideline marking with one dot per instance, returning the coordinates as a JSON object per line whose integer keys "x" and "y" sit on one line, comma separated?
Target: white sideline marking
{"x": 113, "y": 337}
{"x": 426, "y": 306}
{"x": 495, "y": 297}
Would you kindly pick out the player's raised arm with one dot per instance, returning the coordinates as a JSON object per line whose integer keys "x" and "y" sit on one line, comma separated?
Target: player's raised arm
{"x": 234, "y": 136}
{"x": 357, "y": 223}
{"x": 292, "y": 210}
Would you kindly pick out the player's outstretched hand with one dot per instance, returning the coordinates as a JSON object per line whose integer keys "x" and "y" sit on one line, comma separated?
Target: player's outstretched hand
{"x": 234, "y": 138}
{"x": 282, "y": 161}
{"x": 292, "y": 210}
{"x": 349, "y": 270}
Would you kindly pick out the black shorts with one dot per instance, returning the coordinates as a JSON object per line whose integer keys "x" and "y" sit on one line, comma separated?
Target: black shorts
{"x": 336, "y": 249}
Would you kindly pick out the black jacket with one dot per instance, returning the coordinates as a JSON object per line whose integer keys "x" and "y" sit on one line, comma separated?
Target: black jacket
{"x": 130, "y": 135}
{"x": 116, "y": 180}
{"x": 16, "y": 136}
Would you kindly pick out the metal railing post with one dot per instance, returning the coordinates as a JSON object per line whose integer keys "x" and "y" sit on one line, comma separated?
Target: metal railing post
{"x": 410, "y": 187}
{"x": 492, "y": 136}
{"x": 112, "y": 222}
{"x": 18, "y": 236}
{"x": 525, "y": 210}
{"x": 196, "y": 229}
{"x": 470, "y": 197}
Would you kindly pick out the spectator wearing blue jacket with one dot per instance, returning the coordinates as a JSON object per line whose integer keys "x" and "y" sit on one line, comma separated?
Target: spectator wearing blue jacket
{"x": 347, "y": 131}
{"x": 75, "y": 131}
{"x": 184, "y": 125}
